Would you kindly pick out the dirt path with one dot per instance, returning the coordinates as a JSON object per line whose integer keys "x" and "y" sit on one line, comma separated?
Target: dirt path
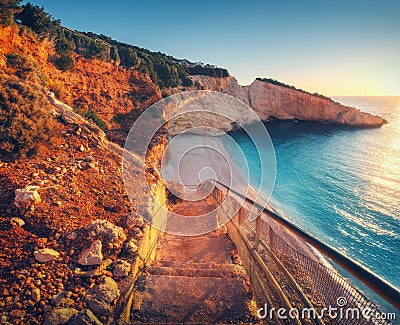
{"x": 193, "y": 280}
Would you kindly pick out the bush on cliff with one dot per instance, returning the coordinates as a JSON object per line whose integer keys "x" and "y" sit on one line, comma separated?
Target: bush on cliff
{"x": 64, "y": 62}
{"x": 20, "y": 64}
{"x": 208, "y": 70}
{"x": 64, "y": 46}
{"x": 25, "y": 69}
{"x": 37, "y": 19}
{"x": 25, "y": 118}
{"x": 92, "y": 115}
{"x": 7, "y": 10}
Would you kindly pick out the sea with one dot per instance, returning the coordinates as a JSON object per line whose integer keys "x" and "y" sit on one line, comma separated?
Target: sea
{"x": 340, "y": 183}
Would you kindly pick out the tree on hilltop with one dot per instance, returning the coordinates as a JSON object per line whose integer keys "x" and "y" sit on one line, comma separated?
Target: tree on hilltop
{"x": 8, "y": 8}
{"x": 37, "y": 19}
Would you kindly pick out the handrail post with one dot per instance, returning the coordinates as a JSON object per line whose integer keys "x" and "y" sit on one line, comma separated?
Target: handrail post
{"x": 220, "y": 195}
{"x": 258, "y": 232}
{"x": 271, "y": 239}
{"x": 240, "y": 216}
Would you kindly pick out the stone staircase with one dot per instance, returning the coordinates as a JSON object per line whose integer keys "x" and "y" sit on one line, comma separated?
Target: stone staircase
{"x": 193, "y": 281}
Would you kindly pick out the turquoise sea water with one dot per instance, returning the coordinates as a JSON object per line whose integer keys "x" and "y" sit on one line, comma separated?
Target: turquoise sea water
{"x": 341, "y": 184}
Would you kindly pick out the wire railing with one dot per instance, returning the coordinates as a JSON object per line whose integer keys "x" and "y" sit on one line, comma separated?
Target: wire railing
{"x": 303, "y": 274}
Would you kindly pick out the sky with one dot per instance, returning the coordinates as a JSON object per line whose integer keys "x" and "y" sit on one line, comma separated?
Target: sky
{"x": 341, "y": 47}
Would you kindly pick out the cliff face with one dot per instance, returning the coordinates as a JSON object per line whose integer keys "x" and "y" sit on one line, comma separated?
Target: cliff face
{"x": 269, "y": 100}
{"x": 114, "y": 91}
{"x": 93, "y": 84}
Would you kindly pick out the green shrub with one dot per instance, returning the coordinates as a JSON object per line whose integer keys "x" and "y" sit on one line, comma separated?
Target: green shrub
{"x": 7, "y": 10}
{"x": 208, "y": 70}
{"x": 92, "y": 115}
{"x": 25, "y": 118}
{"x": 64, "y": 47}
{"x": 64, "y": 62}
{"x": 23, "y": 68}
{"x": 114, "y": 54}
{"x": 278, "y": 83}
{"x": 37, "y": 19}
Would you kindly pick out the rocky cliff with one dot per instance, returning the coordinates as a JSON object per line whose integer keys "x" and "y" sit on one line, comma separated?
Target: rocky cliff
{"x": 93, "y": 84}
{"x": 68, "y": 227}
{"x": 273, "y": 101}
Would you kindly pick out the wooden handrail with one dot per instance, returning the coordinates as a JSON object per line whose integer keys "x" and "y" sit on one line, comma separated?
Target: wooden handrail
{"x": 373, "y": 281}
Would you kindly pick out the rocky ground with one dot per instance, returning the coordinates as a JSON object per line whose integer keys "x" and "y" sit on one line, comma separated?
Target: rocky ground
{"x": 67, "y": 232}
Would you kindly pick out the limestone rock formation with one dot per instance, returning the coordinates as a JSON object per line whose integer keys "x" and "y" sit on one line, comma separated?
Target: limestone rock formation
{"x": 205, "y": 113}
{"x": 121, "y": 268}
{"x": 27, "y": 197}
{"x": 102, "y": 297}
{"x": 60, "y": 316}
{"x": 46, "y": 255}
{"x": 106, "y": 231}
{"x": 91, "y": 255}
{"x": 270, "y": 100}
{"x": 17, "y": 222}
{"x": 134, "y": 220}
{"x": 85, "y": 317}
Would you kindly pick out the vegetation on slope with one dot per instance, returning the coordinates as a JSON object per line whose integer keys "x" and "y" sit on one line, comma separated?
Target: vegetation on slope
{"x": 25, "y": 118}
{"x": 278, "y": 83}
{"x": 165, "y": 71}
{"x": 8, "y": 8}
{"x": 93, "y": 116}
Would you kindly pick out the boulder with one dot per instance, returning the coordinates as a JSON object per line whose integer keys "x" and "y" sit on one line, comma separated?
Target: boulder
{"x": 107, "y": 231}
{"x": 36, "y": 294}
{"x": 26, "y": 197}
{"x": 45, "y": 255}
{"x": 91, "y": 166}
{"x": 59, "y": 297}
{"x": 91, "y": 255}
{"x": 131, "y": 247}
{"x": 62, "y": 300}
{"x": 18, "y": 222}
{"x": 98, "y": 271}
{"x": 85, "y": 317}
{"x": 102, "y": 297}
{"x": 17, "y": 313}
{"x": 121, "y": 268}
{"x": 134, "y": 220}
{"x": 72, "y": 235}
{"x": 60, "y": 316}
{"x": 99, "y": 308}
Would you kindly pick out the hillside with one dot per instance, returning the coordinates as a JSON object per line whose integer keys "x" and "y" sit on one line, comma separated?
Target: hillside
{"x": 93, "y": 83}
{"x": 77, "y": 196}
{"x": 116, "y": 81}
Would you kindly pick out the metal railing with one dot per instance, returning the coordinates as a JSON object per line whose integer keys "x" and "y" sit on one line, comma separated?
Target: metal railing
{"x": 315, "y": 282}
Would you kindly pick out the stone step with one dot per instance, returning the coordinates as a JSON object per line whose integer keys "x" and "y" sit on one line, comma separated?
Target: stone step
{"x": 185, "y": 264}
{"x": 167, "y": 299}
{"x": 200, "y": 249}
{"x": 221, "y": 271}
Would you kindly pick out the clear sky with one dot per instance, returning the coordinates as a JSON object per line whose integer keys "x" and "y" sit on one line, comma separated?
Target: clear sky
{"x": 341, "y": 47}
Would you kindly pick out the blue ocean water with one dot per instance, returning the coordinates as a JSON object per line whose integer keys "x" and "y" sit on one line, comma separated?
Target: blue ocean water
{"x": 341, "y": 184}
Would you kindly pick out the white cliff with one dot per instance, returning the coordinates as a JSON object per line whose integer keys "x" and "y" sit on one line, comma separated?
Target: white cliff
{"x": 270, "y": 100}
